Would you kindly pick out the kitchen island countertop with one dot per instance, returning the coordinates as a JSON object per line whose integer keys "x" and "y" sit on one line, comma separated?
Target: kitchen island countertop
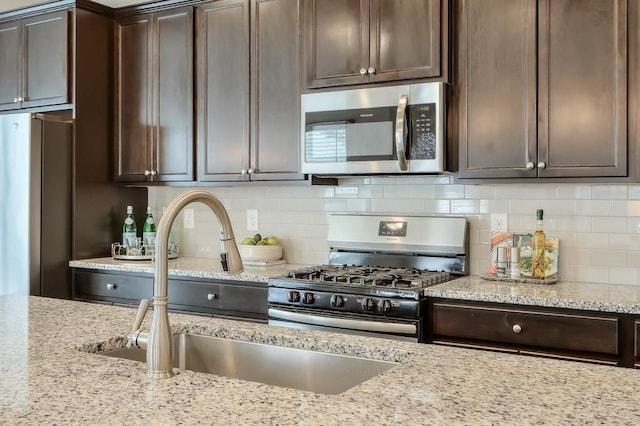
{"x": 46, "y": 379}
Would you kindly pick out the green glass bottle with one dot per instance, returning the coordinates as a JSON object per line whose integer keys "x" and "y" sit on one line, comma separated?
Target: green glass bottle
{"x": 129, "y": 229}
{"x": 149, "y": 229}
{"x": 538, "y": 255}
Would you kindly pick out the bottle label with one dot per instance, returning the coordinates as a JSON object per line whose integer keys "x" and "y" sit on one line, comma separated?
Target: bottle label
{"x": 149, "y": 238}
{"x": 150, "y": 220}
{"x": 129, "y": 239}
{"x": 128, "y": 221}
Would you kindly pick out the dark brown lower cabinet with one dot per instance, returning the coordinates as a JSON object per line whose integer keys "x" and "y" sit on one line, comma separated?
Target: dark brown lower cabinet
{"x": 557, "y": 333}
{"x": 636, "y": 344}
{"x": 219, "y": 298}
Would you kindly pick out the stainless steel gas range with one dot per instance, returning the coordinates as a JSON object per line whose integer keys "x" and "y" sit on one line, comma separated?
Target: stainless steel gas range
{"x": 374, "y": 282}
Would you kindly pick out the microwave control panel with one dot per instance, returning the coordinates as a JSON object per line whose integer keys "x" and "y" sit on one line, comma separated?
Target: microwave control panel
{"x": 423, "y": 131}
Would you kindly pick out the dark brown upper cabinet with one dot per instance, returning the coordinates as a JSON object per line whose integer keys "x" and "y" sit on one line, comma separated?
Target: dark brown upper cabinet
{"x": 541, "y": 88}
{"x": 154, "y": 97}
{"x": 248, "y": 90}
{"x": 35, "y": 63}
{"x": 366, "y": 41}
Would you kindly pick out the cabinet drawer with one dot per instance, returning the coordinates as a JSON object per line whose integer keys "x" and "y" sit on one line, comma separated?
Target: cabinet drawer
{"x": 218, "y": 296}
{"x": 112, "y": 286}
{"x": 194, "y": 293}
{"x": 526, "y": 328}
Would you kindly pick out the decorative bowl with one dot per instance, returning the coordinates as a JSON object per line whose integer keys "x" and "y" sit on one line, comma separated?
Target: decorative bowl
{"x": 260, "y": 253}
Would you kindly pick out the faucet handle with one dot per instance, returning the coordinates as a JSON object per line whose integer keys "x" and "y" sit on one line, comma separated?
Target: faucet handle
{"x": 142, "y": 311}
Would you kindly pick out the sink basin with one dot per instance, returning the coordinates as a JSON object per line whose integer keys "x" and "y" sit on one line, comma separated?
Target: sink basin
{"x": 302, "y": 369}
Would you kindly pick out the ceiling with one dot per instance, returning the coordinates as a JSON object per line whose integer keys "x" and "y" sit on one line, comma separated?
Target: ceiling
{"x": 17, "y": 4}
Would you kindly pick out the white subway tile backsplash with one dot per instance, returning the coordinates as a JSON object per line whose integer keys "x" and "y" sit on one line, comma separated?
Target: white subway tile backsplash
{"x": 464, "y": 206}
{"x": 541, "y": 192}
{"x": 609, "y": 224}
{"x": 574, "y": 192}
{"x": 592, "y": 208}
{"x": 598, "y": 225}
{"x": 591, "y": 240}
{"x": 609, "y": 192}
{"x": 450, "y": 191}
{"x": 625, "y": 208}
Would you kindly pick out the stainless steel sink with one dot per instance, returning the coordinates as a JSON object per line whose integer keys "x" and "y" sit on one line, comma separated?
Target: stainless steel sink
{"x": 302, "y": 369}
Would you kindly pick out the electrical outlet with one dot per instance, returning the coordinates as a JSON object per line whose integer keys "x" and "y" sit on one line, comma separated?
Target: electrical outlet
{"x": 252, "y": 220}
{"x": 188, "y": 219}
{"x": 499, "y": 222}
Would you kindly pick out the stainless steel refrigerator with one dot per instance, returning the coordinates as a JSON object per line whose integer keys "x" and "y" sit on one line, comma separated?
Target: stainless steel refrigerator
{"x": 35, "y": 203}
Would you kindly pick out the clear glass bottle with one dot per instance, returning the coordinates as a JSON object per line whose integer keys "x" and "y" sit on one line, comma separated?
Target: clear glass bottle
{"x": 538, "y": 255}
{"x": 149, "y": 229}
{"x": 129, "y": 229}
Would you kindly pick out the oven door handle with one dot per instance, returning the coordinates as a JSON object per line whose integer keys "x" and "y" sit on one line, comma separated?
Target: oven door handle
{"x": 400, "y": 132}
{"x": 381, "y": 327}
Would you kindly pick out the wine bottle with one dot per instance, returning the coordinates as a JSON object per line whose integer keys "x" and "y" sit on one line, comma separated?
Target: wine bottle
{"x": 538, "y": 255}
{"x": 129, "y": 229}
{"x": 149, "y": 229}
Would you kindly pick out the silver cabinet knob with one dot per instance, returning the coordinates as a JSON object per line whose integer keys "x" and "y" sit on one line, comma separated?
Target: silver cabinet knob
{"x": 211, "y": 296}
{"x": 15, "y": 100}
{"x": 542, "y": 165}
{"x": 147, "y": 172}
{"x": 111, "y": 286}
{"x": 371, "y": 70}
{"x": 243, "y": 172}
{"x": 153, "y": 172}
{"x": 251, "y": 171}
{"x": 517, "y": 329}
{"x": 530, "y": 165}
{"x": 363, "y": 71}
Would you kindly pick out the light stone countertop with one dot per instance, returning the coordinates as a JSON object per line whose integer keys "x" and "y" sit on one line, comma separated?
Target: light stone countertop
{"x": 617, "y": 298}
{"x": 46, "y": 379}
{"x": 188, "y": 267}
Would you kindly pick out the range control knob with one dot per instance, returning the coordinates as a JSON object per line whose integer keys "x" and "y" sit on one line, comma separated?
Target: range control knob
{"x": 337, "y": 301}
{"x": 308, "y": 298}
{"x": 294, "y": 296}
{"x": 368, "y": 304}
{"x": 385, "y": 305}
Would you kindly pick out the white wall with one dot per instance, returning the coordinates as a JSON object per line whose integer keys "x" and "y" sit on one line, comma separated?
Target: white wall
{"x": 598, "y": 225}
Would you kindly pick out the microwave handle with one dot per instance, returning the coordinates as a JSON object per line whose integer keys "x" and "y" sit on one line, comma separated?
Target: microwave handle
{"x": 400, "y": 133}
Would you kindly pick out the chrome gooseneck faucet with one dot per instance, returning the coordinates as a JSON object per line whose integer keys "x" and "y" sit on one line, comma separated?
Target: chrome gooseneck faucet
{"x": 158, "y": 341}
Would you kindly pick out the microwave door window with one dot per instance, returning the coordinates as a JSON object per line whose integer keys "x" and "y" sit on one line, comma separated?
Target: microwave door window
{"x": 326, "y": 143}
{"x": 370, "y": 141}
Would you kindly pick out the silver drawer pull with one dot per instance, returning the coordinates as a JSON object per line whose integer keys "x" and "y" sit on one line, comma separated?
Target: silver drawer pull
{"x": 211, "y": 296}
{"x": 517, "y": 329}
{"x": 111, "y": 286}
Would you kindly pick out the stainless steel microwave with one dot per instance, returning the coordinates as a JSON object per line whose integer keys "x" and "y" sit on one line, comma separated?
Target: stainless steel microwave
{"x": 380, "y": 130}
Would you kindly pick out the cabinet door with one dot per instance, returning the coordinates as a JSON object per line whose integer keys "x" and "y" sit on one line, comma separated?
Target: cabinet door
{"x": 45, "y": 66}
{"x": 222, "y": 50}
{"x": 133, "y": 103}
{"x": 337, "y": 42}
{"x": 10, "y": 65}
{"x": 583, "y": 88}
{"x": 404, "y": 39}
{"x": 495, "y": 93}
{"x": 173, "y": 95}
{"x": 275, "y": 124}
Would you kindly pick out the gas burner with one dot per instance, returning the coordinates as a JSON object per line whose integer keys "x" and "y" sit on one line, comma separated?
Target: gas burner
{"x": 368, "y": 276}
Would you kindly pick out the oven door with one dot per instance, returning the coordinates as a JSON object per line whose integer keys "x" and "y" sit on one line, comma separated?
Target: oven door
{"x": 348, "y": 323}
